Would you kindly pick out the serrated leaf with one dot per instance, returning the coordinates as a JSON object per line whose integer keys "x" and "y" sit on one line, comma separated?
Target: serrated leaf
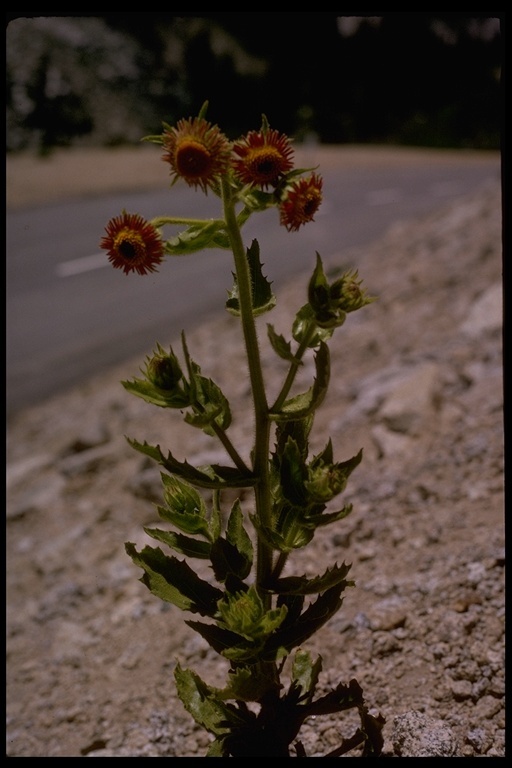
{"x": 200, "y": 702}
{"x": 210, "y": 405}
{"x": 185, "y": 507}
{"x": 248, "y": 683}
{"x": 301, "y": 328}
{"x": 263, "y": 300}
{"x": 302, "y": 585}
{"x": 224, "y": 642}
{"x": 174, "y": 581}
{"x": 151, "y": 394}
{"x": 196, "y": 237}
{"x": 305, "y": 673}
{"x": 210, "y": 476}
{"x": 305, "y": 404}
{"x": 184, "y": 545}
{"x": 309, "y": 622}
{"x": 280, "y": 346}
{"x": 292, "y": 474}
{"x": 234, "y": 554}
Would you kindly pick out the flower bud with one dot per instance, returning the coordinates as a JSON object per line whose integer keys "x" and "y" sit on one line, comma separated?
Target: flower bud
{"x": 346, "y": 293}
{"x": 163, "y": 371}
{"x": 325, "y": 482}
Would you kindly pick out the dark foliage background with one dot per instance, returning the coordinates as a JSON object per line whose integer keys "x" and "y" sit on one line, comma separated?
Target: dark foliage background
{"x": 428, "y": 79}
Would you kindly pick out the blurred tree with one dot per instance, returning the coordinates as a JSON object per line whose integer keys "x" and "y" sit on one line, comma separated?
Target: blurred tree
{"x": 417, "y": 78}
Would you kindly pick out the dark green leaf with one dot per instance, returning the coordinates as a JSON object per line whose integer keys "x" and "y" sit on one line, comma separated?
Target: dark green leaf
{"x": 305, "y": 404}
{"x": 180, "y": 543}
{"x": 301, "y": 585}
{"x": 263, "y": 299}
{"x": 211, "y": 476}
{"x": 280, "y": 346}
{"x": 174, "y": 581}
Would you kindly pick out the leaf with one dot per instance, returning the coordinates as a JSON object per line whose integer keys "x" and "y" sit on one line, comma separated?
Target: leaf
{"x": 309, "y": 622}
{"x": 263, "y": 300}
{"x": 210, "y": 406}
{"x": 305, "y": 404}
{"x": 210, "y": 476}
{"x": 280, "y": 346}
{"x": 174, "y": 581}
{"x": 185, "y": 507}
{"x": 180, "y": 543}
{"x": 301, "y": 585}
{"x": 151, "y": 394}
{"x": 225, "y": 642}
{"x": 200, "y": 702}
{"x": 196, "y": 237}
{"x": 292, "y": 474}
{"x": 305, "y": 674}
{"x": 234, "y": 554}
{"x": 248, "y": 683}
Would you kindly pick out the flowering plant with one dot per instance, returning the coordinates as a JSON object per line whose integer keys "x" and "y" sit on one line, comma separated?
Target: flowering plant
{"x": 250, "y": 613}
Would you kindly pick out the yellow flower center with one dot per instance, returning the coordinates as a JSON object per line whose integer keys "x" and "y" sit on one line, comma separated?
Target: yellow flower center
{"x": 193, "y": 160}
{"x": 264, "y": 163}
{"x": 129, "y": 245}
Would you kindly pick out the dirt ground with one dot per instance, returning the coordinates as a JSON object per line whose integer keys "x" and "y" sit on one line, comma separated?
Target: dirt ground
{"x": 417, "y": 383}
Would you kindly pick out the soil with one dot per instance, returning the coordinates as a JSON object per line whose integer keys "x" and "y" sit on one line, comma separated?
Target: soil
{"x": 417, "y": 382}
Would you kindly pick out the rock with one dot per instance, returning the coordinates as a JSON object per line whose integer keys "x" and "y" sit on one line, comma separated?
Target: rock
{"x": 416, "y": 735}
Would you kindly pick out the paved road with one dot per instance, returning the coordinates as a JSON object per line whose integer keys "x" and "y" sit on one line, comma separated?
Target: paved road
{"x": 70, "y": 315}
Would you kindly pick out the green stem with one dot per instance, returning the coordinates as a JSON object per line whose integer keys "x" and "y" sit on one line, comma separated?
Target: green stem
{"x": 261, "y": 412}
{"x": 162, "y": 221}
{"x": 228, "y": 445}
{"x": 294, "y": 367}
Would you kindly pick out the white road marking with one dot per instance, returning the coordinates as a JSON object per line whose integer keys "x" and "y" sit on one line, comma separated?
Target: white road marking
{"x": 84, "y": 264}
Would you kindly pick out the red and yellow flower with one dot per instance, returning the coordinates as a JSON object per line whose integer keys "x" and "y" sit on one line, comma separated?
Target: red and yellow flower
{"x": 133, "y": 244}
{"x": 197, "y": 152}
{"x": 302, "y": 201}
{"x": 263, "y": 157}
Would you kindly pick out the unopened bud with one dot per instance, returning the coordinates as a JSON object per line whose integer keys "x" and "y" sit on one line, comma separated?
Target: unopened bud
{"x": 163, "y": 371}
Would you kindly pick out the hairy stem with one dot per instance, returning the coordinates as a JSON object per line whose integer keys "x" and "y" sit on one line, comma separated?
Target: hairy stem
{"x": 261, "y": 412}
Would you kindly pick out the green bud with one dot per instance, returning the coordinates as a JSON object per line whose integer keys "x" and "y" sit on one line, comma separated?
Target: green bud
{"x": 346, "y": 293}
{"x": 325, "y": 482}
{"x": 163, "y": 370}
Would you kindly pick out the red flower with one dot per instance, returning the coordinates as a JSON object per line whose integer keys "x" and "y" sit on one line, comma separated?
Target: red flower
{"x": 133, "y": 244}
{"x": 265, "y": 156}
{"x": 197, "y": 152}
{"x": 301, "y": 203}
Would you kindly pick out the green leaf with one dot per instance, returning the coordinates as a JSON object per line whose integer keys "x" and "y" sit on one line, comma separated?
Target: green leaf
{"x": 301, "y": 585}
{"x": 180, "y": 543}
{"x": 305, "y": 674}
{"x": 156, "y": 396}
{"x": 301, "y": 328}
{"x": 210, "y": 476}
{"x": 225, "y": 642}
{"x": 309, "y": 622}
{"x": 292, "y": 474}
{"x": 248, "y": 683}
{"x": 305, "y": 404}
{"x": 263, "y": 300}
{"x": 280, "y": 346}
{"x": 201, "y": 702}
{"x": 174, "y": 581}
{"x": 185, "y": 507}
{"x": 210, "y": 406}
{"x": 234, "y": 554}
{"x": 207, "y": 234}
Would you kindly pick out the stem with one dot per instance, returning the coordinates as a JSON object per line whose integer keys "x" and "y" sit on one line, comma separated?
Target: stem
{"x": 294, "y": 367}
{"x": 261, "y": 412}
{"x": 228, "y": 445}
{"x": 162, "y": 221}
